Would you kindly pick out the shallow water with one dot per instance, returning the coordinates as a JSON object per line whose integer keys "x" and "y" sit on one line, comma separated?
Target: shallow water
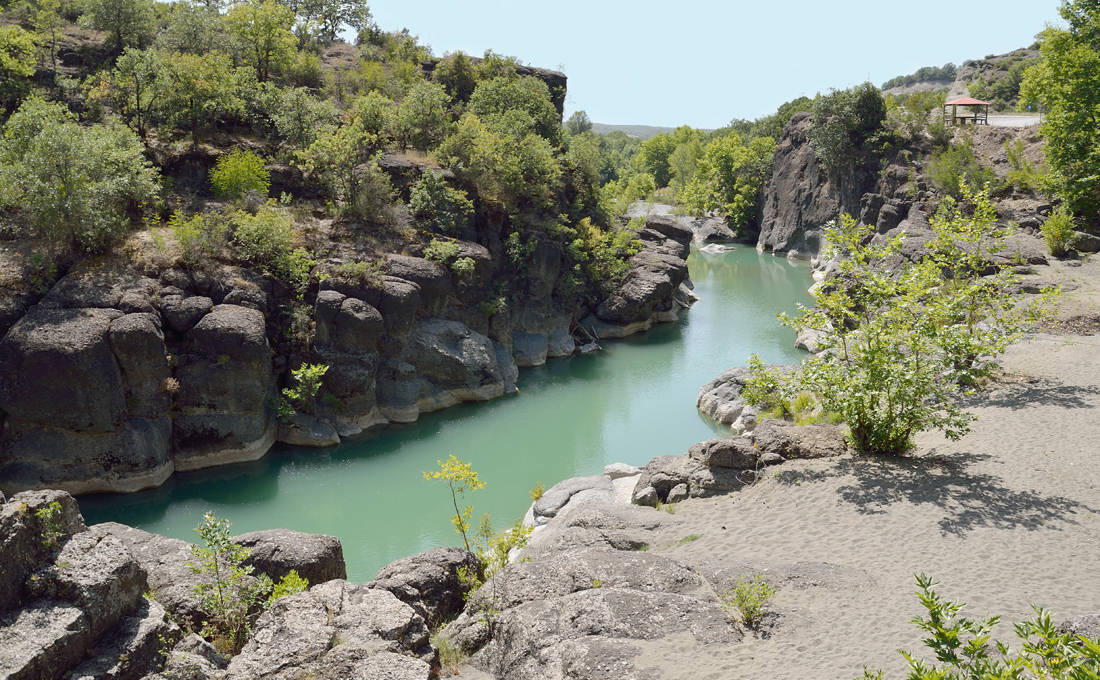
{"x": 629, "y": 403}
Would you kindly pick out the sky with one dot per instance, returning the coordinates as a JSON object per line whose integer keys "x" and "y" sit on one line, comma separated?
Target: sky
{"x": 698, "y": 63}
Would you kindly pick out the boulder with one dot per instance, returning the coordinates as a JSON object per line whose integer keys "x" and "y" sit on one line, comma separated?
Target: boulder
{"x": 459, "y": 364}
{"x": 433, "y": 279}
{"x": 429, "y": 582}
{"x": 30, "y": 528}
{"x": 799, "y": 441}
{"x": 309, "y": 431}
{"x": 316, "y": 557}
{"x": 336, "y": 630}
{"x": 556, "y": 497}
{"x": 133, "y": 648}
{"x": 181, "y": 313}
{"x": 737, "y": 453}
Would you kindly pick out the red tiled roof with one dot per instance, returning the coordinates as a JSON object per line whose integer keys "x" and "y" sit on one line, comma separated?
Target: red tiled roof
{"x": 967, "y": 101}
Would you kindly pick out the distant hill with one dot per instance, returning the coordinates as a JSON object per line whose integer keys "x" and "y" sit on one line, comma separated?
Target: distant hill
{"x": 639, "y": 131}
{"x": 995, "y": 78}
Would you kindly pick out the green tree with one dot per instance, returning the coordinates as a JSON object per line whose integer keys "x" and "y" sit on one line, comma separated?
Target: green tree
{"x": 653, "y": 158}
{"x": 1066, "y": 83}
{"x": 228, "y": 592}
{"x": 129, "y": 23}
{"x": 47, "y": 22}
{"x": 421, "y": 119}
{"x": 843, "y": 123}
{"x": 345, "y": 160}
{"x": 578, "y": 123}
{"x": 300, "y": 116}
{"x": 264, "y": 39}
{"x": 78, "y": 184}
{"x": 196, "y": 90}
{"x": 517, "y": 172}
{"x": 193, "y": 27}
{"x": 457, "y": 74}
{"x": 133, "y": 87}
{"x": 439, "y": 206}
{"x": 901, "y": 347}
{"x": 460, "y": 478}
{"x": 17, "y": 61}
{"x": 518, "y": 106}
{"x": 729, "y": 178}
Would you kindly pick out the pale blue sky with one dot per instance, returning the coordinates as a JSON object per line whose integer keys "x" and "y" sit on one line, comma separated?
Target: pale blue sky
{"x": 702, "y": 63}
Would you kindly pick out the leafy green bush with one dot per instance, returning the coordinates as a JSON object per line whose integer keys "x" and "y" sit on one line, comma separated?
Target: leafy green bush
{"x": 843, "y": 124}
{"x": 441, "y": 251}
{"x": 265, "y": 238}
{"x": 17, "y": 62}
{"x": 963, "y": 648}
{"x": 1058, "y": 231}
{"x": 602, "y": 254}
{"x": 729, "y": 178}
{"x": 901, "y": 347}
{"x": 77, "y": 184}
{"x": 367, "y": 272}
{"x": 957, "y": 166}
{"x": 239, "y": 173}
{"x": 49, "y": 522}
{"x": 504, "y": 102}
{"x": 300, "y": 117}
{"x": 438, "y": 206}
{"x": 201, "y": 237}
{"x": 345, "y": 160}
{"x": 302, "y": 397}
{"x": 463, "y": 266}
{"x": 227, "y": 590}
{"x": 1021, "y": 173}
{"x": 288, "y": 585}
{"x": 421, "y": 119}
{"x": 749, "y": 597}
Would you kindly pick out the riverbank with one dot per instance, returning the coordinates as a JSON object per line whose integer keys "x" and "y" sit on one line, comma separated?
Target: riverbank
{"x": 1005, "y": 518}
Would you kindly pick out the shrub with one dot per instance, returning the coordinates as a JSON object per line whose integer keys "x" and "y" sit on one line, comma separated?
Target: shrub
{"x": 963, "y": 648}
{"x": 902, "y": 346}
{"x": 463, "y": 266}
{"x": 1021, "y": 173}
{"x": 956, "y": 166}
{"x": 49, "y": 521}
{"x": 263, "y": 239}
{"x": 843, "y": 123}
{"x": 421, "y": 119}
{"x": 288, "y": 585}
{"x": 102, "y": 170}
{"x": 300, "y": 117}
{"x": 17, "y": 62}
{"x": 201, "y": 237}
{"x": 441, "y": 251}
{"x": 239, "y": 173}
{"x": 1058, "y": 231}
{"x": 308, "y": 379}
{"x": 228, "y": 591}
{"x": 367, "y": 272}
{"x": 602, "y": 254}
{"x": 749, "y": 597}
{"x": 497, "y": 101}
{"x": 438, "y": 206}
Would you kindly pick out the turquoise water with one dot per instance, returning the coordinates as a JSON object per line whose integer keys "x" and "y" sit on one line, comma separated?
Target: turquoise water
{"x": 629, "y": 403}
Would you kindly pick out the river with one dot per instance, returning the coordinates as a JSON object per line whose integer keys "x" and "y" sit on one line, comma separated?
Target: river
{"x": 629, "y": 403}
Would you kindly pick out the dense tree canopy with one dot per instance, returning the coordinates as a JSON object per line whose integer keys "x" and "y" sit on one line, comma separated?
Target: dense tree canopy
{"x": 1067, "y": 83}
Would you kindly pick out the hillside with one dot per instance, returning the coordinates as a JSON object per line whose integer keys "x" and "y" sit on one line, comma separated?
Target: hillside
{"x": 995, "y": 78}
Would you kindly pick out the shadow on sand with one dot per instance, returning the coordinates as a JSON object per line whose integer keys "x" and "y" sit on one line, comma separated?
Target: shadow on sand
{"x": 968, "y": 500}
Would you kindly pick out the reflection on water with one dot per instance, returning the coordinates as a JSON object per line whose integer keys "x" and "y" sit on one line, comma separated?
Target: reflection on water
{"x": 634, "y": 401}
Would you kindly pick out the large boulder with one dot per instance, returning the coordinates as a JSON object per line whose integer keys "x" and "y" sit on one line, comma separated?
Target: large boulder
{"x": 429, "y": 582}
{"x": 455, "y": 363}
{"x": 316, "y": 557}
{"x": 83, "y": 390}
{"x": 336, "y": 630}
{"x": 800, "y": 441}
{"x": 225, "y": 389}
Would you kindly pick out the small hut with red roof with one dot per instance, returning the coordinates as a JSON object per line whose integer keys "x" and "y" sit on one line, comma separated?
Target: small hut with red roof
{"x": 975, "y": 111}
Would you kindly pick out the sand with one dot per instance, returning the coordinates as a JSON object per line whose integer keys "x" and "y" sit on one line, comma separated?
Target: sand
{"x": 1005, "y": 518}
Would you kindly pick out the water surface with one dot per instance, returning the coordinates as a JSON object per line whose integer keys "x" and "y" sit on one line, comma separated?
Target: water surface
{"x": 629, "y": 403}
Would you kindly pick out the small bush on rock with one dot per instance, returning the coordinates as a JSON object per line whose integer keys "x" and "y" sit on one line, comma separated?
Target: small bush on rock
{"x": 201, "y": 237}
{"x": 229, "y": 593}
{"x": 1058, "y": 231}
{"x": 308, "y": 379}
{"x": 288, "y": 585}
{"x": 438, "y": 206}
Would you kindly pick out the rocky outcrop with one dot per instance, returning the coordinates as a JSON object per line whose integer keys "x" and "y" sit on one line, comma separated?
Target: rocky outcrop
{"x": 655, "y": 288}
{"x": 429, "y": 582}
{"x": 800, "y": 197}
{"x": 337, "y": 630}
{"x": 316, "y": 557}
{"x": 71, "y": 598}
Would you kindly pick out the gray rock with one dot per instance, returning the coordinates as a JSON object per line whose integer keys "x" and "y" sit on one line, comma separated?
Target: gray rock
{"x": 529, "y": 349}
{"x": 133, "y": 648}
{"x": 556, "y": 497}
{"x": 678, "y": 493}
{"x": 138, "y": 345}
{"x": 737, "y": 453}
{"x": 619, "y": 470}
{"x": 429, "y": 582}
{"x": 720, "y": 399}
{"x": 316, "y": 557}
{"x": 398, "y": 391}
{"x": 182, "y": 314}
{"x": 645, "y": 495}
{"x": 1085, "y": 242}
{"x": 1084, "y": 626}
{"x": 800, "y": 441}
{"x": 25, "y": 537}
{"x": 334, "y": 630}
{"x": 42, "y": 640}
{"x": 433, "y": 279}
{"x": 647, "y": 290}
{"x": 459, "y": 363}
{"x": 309, "y": 431}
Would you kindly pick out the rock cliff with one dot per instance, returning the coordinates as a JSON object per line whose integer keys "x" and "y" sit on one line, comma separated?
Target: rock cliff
{"x": 120, "y": 375}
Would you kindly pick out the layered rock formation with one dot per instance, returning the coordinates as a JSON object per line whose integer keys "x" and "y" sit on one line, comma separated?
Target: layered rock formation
{"x": 116, "y": 378}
